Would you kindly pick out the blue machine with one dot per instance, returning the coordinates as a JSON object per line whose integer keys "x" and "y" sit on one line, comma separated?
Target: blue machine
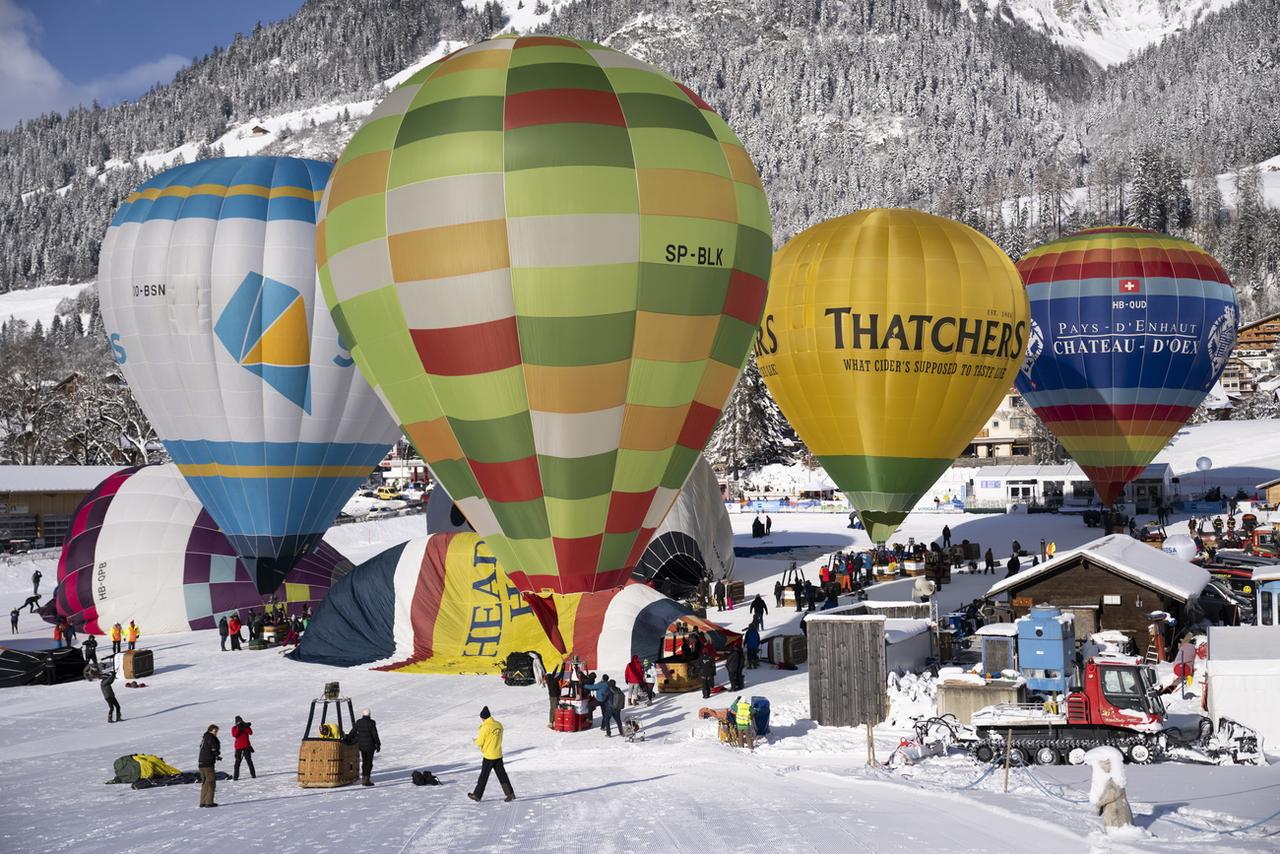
{"x": 1046, "y": 650}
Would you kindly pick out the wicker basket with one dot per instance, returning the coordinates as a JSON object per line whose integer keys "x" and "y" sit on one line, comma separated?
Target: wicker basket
{"x": 677, "y": 677}
{"x": 138, "y": 663}
{"x": 736, "y": 590}
{"x": 326, "y": 763}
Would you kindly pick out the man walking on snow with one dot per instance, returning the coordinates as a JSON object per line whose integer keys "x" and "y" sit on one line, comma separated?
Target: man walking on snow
{"x": 489, "y": 740}
{"x": 946, "y": 536}
{"x": 759, "y": 609}
{"x": 35, "y": 581}
{"x": 719, "y": 594}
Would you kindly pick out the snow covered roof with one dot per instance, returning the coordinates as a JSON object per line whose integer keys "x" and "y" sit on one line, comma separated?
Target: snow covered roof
{"x": 1126, "y": 557}
{"x": 896, "y": 630}
{"x": 53, "y": 478}
{"x": 1009, "y": 630}
{"x": 1266, "y": 573}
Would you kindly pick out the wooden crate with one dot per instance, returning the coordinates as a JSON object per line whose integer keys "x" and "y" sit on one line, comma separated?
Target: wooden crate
{"x": 138, "y": 663}
{"x": 735, "y": 590}
{"x": 325, "y": 763}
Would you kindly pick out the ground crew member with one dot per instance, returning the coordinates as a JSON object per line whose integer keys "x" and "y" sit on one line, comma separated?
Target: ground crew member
{"x": 116, "y": 634}
{"x": 489, "y": 740}
{"x": 133, "y": 633}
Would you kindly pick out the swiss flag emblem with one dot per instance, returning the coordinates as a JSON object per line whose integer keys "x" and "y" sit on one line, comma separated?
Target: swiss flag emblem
{"x": 1130, "y": 286}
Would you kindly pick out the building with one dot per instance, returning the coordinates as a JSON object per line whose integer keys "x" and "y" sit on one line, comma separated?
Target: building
{"x": 1270, "y": 492}
{"x": 1240, "y": 378}
{"x": 1112, "y": 583}
{"x": 1055, "y": 485}
{"x": 36, "y": 502}
{"x": 1257, "y": 340}
{"x": 1007, "y": 432}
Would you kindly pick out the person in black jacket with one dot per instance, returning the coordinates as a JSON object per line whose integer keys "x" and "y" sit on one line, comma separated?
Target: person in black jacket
{"x": 109, "y": 694}
{"x": 810, "y": 594}
{"x": 365, "y": 736}
{"x": 553, "y": 680}
{"x": 733, "y": 666}
{"x": 797, "y": 590}
{"x": 223, "y": 632}
{"x": 777, "y": 593}
{"x": 707, "y": 670}
{"x": 210, "y": 752}
{"x": 719, "y": 594}
{"x": 759, "y": 608}
{"x": 90, "y": 649}
{"x": 1012, "y": 566}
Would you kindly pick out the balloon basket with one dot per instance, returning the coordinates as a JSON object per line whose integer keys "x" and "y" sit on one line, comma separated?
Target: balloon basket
{"x": 138, "y": 663}
{"x": 678, "y": 677}
{"x": 326, "y": 763}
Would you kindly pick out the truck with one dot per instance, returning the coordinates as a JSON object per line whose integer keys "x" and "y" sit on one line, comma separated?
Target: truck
{"x": 1119, "y": 704}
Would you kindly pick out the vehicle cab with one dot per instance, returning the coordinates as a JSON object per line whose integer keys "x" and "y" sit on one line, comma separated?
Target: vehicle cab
{"x": 1266, "y": 583}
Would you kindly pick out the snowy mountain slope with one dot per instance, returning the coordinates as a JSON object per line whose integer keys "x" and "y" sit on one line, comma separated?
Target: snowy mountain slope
{"x": 1107, "y": 31}
{"x": 38, "y": 303}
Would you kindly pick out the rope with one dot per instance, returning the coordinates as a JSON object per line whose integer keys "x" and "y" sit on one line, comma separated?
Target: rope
{"x": 1249, "y": 826}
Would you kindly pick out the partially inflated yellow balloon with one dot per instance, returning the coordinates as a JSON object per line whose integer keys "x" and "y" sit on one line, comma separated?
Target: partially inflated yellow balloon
{"x": 889, "y": 338}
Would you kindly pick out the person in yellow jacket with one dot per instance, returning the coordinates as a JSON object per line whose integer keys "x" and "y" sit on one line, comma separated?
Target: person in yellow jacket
{"x": 132, "y": 635}
{"x": 741, "y": 710}
{"x": 116, "y": 634}
{"x": 489, "y": 740}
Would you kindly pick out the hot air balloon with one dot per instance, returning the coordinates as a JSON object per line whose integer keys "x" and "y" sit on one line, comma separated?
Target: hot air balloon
{"x": 141, "y": 547}
{"x": 208, "y": 290}
{"x": 1130, "y": 330}
{"x": 889, "y": 338}
{"x": 549, "y": 259}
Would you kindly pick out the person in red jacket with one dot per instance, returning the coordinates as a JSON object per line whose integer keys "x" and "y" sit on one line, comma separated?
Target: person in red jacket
{"x": 244, "y": 750}
{"x": 233, "y": 628}
{"x": 634, "y": 674}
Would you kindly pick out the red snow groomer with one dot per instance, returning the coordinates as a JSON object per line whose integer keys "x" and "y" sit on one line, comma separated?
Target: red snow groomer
{"x": 1118, "y": 705}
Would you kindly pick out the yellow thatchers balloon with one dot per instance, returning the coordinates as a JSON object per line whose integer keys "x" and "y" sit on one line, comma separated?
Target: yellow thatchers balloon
{"x": 889, "y": 338}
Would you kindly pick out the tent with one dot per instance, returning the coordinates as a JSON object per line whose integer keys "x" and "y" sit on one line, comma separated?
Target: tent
{"x": 141, "y": 547}
{"x": 23, "y": 663}
{"x": 694, "y": 541}
{"x": 442, "y": 604}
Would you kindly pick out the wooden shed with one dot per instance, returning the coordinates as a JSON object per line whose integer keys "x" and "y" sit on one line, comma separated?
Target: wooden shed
{"x": 1113, "y": 582}
{"x": 1270, "y": 492}
{"x": 847, "y": 672}
{"x": 36, "y": 502}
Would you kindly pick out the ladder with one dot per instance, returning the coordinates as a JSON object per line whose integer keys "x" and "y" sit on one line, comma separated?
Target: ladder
{"x": 1152, "y": 656}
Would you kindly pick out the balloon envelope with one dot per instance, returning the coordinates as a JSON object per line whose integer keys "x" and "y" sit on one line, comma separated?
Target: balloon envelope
{"x": 549, "y": 259}
{"x": 1130, "y": 330}
{"x": 889, "y": 338}
{"x": 142, "y": 548}
{"x": 1204, "y": 463}
{"x": 1179, "y": 545}
{"x": 208, "y": 291}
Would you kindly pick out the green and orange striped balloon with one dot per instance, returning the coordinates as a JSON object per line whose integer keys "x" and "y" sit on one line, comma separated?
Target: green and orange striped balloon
{"x": 549, "y": 259}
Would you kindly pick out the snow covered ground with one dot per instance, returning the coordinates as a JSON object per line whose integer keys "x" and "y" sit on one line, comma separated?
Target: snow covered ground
{"x": 38, "y": 303}
{"x": 807, "y": 789}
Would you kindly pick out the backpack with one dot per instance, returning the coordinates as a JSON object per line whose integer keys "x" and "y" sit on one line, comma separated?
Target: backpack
{"x": 425, "y": 778}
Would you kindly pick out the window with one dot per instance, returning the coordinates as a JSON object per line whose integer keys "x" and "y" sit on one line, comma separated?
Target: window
{"x": 1123, "y": 689}
{"x": 1111, "y": 599}
{"x": 995, "y": 424}
{"x": 1267, "y": 602}
{"x": 1017, "y": 423}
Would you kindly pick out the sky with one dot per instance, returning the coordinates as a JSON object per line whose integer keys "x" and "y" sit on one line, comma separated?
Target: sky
{"x": 55, "y": 54}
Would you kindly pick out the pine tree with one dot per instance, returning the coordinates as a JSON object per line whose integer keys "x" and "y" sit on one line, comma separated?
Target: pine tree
{"x": 752, "y": 431}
